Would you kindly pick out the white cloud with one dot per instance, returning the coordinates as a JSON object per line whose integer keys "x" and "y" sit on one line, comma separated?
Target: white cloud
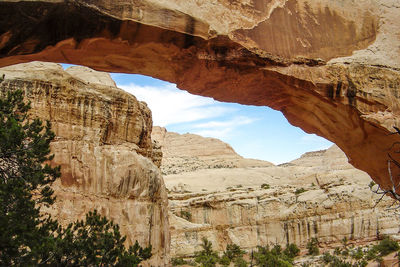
{"x": 236, "y": 121}
{"x": 221, "y": 129}
{"x": 170, "y": 105}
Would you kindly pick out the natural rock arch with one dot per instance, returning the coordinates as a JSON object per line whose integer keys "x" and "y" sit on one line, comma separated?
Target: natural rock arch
{"x": 331, "y": 67}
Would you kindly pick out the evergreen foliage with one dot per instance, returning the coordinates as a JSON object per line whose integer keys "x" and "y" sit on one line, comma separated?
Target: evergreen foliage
{"x": 276, "y": 257}
{"x": 24, "y": 184}
{"x": 312, "y": 247}
{"x": 291, "y": 251}
{"x": 359, "y": 257}
{"x": 206, "y": 257}
{"x": 96, "y": 241}
{"x": 265, "y": 186}
{"x": 233, "y": 251}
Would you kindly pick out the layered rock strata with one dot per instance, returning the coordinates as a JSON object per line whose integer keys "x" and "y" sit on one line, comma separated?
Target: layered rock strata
{"x": 104, "y": 148}
{"x": 318, "y": 195}
{"x": 331, "y": 67}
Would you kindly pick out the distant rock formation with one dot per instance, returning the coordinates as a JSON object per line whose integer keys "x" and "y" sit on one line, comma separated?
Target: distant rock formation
{"x": 190, "y": 152}
{"x": 318, "y": 195}
{"x": 104, "y": 148}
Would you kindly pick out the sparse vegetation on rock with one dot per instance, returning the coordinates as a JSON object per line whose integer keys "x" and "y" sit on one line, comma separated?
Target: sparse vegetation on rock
{"x": 276, "y": 257}
{"x": 299, "y": 191}
{"x": 312, "y": 247}
{"x": 207, "y": 257}
{"x": 187, "y": 215}
{"x": 360, "y": 256}
{"x": 265, "y": 186}
{"x": 344, "y": 256}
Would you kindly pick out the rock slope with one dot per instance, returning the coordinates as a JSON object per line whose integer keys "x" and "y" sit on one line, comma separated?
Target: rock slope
{"x": 331, "y": 67}
{"x": 318, "y": 195}
{"x": 104, "y": 148}
{"x": 190, "y": 152}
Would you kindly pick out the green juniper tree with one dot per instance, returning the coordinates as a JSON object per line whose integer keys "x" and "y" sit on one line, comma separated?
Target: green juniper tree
{"x": 95, "y": 241}
{"x": 24, "y": 183}
{"x": 28, "y": 237}
{"x": 206, "y": 257}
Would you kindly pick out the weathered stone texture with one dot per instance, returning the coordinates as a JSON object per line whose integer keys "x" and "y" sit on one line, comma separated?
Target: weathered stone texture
{"x": 259, "y": 206}
{"x": 331, "y": 67}
{"x": 104, "y": 148}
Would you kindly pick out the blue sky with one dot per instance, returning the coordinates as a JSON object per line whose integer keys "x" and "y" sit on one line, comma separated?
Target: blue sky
{"x": 254, "y": 132}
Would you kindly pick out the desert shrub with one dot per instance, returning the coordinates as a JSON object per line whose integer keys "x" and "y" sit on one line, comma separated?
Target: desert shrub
{"x": 224, "y": 260}
{"x": 337, "y": 251}
{"x": 357, "y": 254}
{"x": 233, "y": 251}
{"x": 240, "y": 262}
{"x": 383, "y": 248}
{"x": 387, "y": 246}
{"x": 360, "y": 256}
{"x": 276, "y": 250}
{"x": 291, "y": 251}
{"x": 371, "y": 184}
{"x": 327, "y": 257}
{"x": 345, "y": 242}
{"x": 335, "y": 261}
{"x": 207, "y": 257}
{"x": 361, "y": 263}
{"x": 345, "y": 252}
{"x": 275, "y": 256}
{"x": 371, "y": 254}
{"x": 187, "y": 215}
{"x": 178, "y": 261}
{"x": 299, "y": 191}
{"x": 265, "y": 186}
{"x": 312, "y": 247}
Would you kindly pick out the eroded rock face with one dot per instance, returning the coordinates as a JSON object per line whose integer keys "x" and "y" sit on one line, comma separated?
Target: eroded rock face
{"x": 104, "y": 148}
{"x": 318, "y": 195}
{"x": 190, "y": 152}
{"x": 332, "y": 67}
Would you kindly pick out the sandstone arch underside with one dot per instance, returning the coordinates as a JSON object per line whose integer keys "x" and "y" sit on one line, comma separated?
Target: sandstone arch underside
{"x": 331, "y": 67}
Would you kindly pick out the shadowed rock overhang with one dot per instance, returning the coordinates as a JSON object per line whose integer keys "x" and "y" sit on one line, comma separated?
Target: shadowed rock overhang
{"x": 331, "y": 67}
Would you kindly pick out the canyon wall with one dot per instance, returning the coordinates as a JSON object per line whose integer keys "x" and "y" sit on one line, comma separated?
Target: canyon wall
{"x": 104, "y": 148}
{"x": 331, "y": 67}
{"x": 318, "y": 195}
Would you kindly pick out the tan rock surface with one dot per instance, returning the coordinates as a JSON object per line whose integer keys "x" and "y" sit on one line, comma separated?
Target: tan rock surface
{"x": 104, "y": 148}
{"x": 91, "y": 76}
{"x": 189, "y": 152}
{"x": 331, "y": 67}
{"x": 229, "y": 205}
